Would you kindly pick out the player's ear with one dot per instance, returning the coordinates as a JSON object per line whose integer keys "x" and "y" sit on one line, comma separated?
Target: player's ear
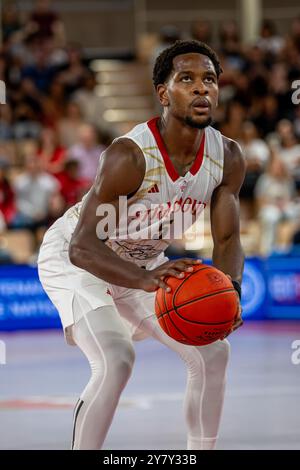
{"x": 162, "y": 95}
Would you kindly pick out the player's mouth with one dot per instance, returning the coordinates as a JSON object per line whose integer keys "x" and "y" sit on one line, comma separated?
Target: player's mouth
{"x": 201, "y": 105}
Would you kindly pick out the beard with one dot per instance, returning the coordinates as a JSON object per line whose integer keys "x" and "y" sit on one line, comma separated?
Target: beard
{"x": 197, "y": 125}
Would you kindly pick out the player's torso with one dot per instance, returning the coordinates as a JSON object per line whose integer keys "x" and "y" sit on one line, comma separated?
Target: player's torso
{"x": 164, "y": 198}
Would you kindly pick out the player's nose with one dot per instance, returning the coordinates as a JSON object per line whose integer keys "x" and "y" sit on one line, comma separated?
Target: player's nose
{"x": 200, "y": 88}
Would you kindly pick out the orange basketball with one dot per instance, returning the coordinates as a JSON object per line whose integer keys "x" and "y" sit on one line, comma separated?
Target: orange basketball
{"x": 201, "y": 307}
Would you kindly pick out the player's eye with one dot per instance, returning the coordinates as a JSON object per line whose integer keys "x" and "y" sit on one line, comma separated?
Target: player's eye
{"x": 210, "y": 79}
{"x": 186, "y": 78}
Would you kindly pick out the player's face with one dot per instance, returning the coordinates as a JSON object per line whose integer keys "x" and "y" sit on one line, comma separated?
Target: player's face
{"x": 191, "y": 92}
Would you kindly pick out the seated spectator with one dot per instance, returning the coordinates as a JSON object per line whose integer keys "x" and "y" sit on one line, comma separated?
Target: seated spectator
{"x": 91, "y": 105}
{"x": 11, "y": 23}
{"x": 44, "y": 23}
{"x": 73, "y": 76}
{"x": 68, "y": 127}
{"x": 72, "y": 187}
{"x": 52, "y": 155}
{"x": 257, "y": 154}
{"x": 87, "y": 152}
{"x": 35, "y": 191}
{"x": 201, "y": 30}
{"x": 289, "y": 149}
{"x": 275, "y": 195}
{"x": 230, "y": 43}
{"x": 269, "y": 40}
{"x": 26, "y": 125}
{"x": 53, "y": 104}
{"x": 7, "y": 197}
{"x": 295, "y": 33}
{"x": 168, "y": 34}
{"x": 41, "y": 72}
{"x": 5, "y": 122}
{"x": 232, "y": 125}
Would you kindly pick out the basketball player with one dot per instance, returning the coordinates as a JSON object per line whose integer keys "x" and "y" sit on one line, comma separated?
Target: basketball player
{"x": 104, "y": 289}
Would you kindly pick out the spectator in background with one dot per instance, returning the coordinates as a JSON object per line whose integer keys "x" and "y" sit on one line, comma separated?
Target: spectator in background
{"x": 267, "y": 115}
{"x": 72, "y": 186}
{"x": 280, "y": 87}
{"x": 168, "y": 34}
{"x": 7, "y": 197}
{"x": 52, "y": 155}
{"x": 54, "y": 103}
{"x": 91, "y": 104}
{"x": 230, "y": 44}
{"x": 5, "y": 122}
{"x": 26, "y": 125}
{"x": 37, "y": 194}
{"x": 294, "y": 35}
{"x": 44, "y": 23}
{"x": 41, "y": 73}
{"x": 275, "y": 196}
{"x": 28, "y": 93}
{"x": 232, "y": 125}
{"x": 74, "y": 74}
{"x": 69, "y": 126}
{"x": 289, "y": 149}
{"x": 87, "y": 152}
{"x": 11, "y": 23}
{"x": 269, "y": 40}
{"x": 257, "y": 154}
{"x": 201, "y": 31}
{"x": 297, "y": 122}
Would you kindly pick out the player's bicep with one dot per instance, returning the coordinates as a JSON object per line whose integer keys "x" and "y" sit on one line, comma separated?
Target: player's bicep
{"x": 119, "y": 174}
{"x": 224, "y": 214}
{"x": 225, "y": 206}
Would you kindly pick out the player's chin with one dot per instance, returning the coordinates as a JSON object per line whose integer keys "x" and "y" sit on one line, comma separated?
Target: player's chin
{"x": 199, "y": 121}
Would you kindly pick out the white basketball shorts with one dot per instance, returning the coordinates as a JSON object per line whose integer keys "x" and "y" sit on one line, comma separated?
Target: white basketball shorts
{"x": 71, "y": 288}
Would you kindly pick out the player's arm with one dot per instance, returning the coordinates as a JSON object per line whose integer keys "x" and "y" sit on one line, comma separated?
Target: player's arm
{"x": 120, "y": 173}
{"x": 228, "y": 255}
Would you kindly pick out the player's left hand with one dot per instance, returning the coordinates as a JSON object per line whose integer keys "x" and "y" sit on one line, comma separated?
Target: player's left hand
{"x": 238, "y": 321}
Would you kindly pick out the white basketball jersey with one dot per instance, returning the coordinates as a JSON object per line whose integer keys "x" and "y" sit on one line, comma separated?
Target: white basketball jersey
{"x": 164, "y": 197}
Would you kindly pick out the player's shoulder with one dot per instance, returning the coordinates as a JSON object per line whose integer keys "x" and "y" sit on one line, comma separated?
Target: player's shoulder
{"x": 123, "y": 152}
{"x": 234, "y": 159}
{"x": 232, "y": 148}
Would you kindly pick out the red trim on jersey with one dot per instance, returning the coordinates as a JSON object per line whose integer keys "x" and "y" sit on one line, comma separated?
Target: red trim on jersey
{"x": 152, "y": 124}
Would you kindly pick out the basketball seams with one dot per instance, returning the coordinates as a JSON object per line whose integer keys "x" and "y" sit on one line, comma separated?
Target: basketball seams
{"x": 195, "y": 322}
{"x": 203, "y": 268}
{"x": 166, "y": 326}
{"x": 196, "y": 300}
{"x": 168, "y": 317}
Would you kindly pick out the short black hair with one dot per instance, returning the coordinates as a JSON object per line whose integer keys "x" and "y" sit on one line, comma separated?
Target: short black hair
{"x": 164, "y": 63}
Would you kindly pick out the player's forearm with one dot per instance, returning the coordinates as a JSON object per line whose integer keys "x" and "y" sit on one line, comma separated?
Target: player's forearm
{"x": 102, "y": 262}
{"x": 228, "y": 256}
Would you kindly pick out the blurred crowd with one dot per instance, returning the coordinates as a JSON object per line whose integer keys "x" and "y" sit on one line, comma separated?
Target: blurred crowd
{"x": 50, "y": 127}
{"x": 52, "y": 131}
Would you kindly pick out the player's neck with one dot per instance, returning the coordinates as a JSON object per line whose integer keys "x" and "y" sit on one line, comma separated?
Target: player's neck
{"x": 181, "y": 141}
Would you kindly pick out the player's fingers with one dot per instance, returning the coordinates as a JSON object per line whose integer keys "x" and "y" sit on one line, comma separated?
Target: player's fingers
{"x": 190, "y": 261}
{"x": 163, "y": 285}
{"x": 182, "y": 267}
{"x": 173, "y": 273}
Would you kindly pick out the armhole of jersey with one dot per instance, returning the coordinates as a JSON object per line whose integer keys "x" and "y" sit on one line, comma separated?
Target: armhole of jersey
{"x": 222, "y": 162}
{"x": 129, "y": 196}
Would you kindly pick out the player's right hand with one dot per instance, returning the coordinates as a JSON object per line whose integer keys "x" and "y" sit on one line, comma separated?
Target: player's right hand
{"x": 151, "y": 280}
